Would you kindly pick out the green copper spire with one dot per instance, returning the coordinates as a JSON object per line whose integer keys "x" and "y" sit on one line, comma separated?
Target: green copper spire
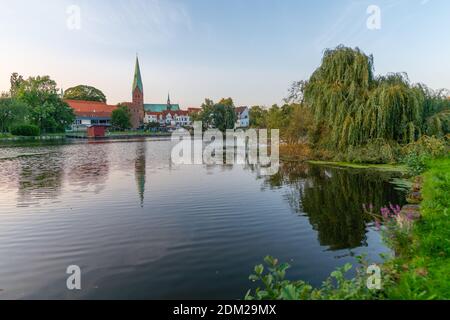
{"x": 169, "y": 105}
{"x": 137, "y": 83}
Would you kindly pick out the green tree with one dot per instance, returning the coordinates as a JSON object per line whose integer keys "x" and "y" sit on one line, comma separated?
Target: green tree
{"x": 258, "y": 117}
{"x": 206, "y": 115}
{"x": 11, "y": 113}
{"x": 299, "y": 125}
{"x": 121, "y": 118}
{"x": 351, "y": 107}
{"x": 46, "y": 108}
{"x": 16, "y": 81}
{"x": 276, "y": 117}
{"x": 436, "y": 111}
{"x": 224, "y": 114}
{"x": 221, "y": 115}
{"x": 83, "y": 92}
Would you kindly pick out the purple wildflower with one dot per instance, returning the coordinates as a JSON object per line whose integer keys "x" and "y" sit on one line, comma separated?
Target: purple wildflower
{"x": 378, "y": 224}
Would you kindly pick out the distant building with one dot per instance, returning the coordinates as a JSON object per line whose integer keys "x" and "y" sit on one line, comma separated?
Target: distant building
{"x": 243, "y": 117}
{"x": 168, "y": 115}
{"x": 90, "y": 113}
{"x": 138, "y": 108}
{"x": 96, "y": 131}
{"x": 169, "y": 118}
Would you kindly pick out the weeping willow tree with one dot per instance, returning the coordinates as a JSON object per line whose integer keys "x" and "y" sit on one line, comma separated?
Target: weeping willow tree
{"x": 436, "y": 111}
{"x": 352, "y": 107}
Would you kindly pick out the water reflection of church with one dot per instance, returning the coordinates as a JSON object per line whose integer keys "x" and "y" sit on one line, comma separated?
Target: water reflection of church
{"x": 140, "y": 172}
{"x": 48, "y": 175}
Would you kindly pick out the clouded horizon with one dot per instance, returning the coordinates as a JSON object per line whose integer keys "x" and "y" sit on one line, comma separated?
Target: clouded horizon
{"x": 248, "y": 50}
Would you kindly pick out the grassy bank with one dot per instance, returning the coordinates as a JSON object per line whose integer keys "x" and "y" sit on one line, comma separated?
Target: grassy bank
{"x": 424, "y": 267}
{"x": 383, "y": 167}
{"x": 50, "y": 136}
{"x": 5, "y": 135}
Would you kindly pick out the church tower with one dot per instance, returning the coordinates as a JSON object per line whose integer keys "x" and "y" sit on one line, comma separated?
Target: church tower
{"x": 137, "y": 106}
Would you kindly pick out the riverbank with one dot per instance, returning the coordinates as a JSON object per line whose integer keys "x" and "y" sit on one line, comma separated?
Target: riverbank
{"x": 382, "y": 167}
{"x": 423, "y": 267}
{"x": 418, "y": 270}
{"x": 120, "y": 135}
{"x": 11, "y": 138}
{"x": 303, "y": 153}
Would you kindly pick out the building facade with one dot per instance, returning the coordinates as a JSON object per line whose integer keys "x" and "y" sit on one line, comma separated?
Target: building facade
{"x": 169, "y": 118}
{"x": 90, "y": 113}
{"x": 243, "y": 117}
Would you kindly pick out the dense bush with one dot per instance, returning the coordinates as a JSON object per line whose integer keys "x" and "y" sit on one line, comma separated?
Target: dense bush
{"x": 336, "y": 287}
{"x": 26, "y": 130}
{"x": 374, "y": 152}
{"x": 417, "y": 154}
{"x": 121, "y": 118}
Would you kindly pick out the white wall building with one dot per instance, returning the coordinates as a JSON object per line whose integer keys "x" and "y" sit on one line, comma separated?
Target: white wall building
{"x": 243, "y": 117}
{"x": 169, "y": 118}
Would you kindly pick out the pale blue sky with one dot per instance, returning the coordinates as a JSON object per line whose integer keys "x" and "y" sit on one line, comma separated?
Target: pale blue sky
{"x": 250, "y": 50}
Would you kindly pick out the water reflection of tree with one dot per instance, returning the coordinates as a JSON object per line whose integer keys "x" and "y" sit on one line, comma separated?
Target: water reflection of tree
{"x": 332, "y": 200}
{"x": 90, "y": 167}
{"x": 40, "y": 177}
{"x": 140, "y": 171}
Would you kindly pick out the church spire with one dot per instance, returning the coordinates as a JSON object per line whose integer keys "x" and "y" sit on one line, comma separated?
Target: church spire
{"x": 137, "y": 82}
{"x": 169, "y": 105}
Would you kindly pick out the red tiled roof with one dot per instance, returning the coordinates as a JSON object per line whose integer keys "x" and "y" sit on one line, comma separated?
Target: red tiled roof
{"x": 240, "y": 109}
{"x": 91, "y": 109}
{"x": 174, "y": 113}
{"x": 194, "y": 110}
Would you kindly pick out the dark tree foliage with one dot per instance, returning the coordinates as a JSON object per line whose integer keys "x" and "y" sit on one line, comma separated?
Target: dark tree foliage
{"x": 221, "y": 115}
{"x": 83, "y": 92}
{"x": 46, "y": 108}
{"x": 352, "y": 107}
{"x": 12, "y": 112}
{"x": 121, "y": 118}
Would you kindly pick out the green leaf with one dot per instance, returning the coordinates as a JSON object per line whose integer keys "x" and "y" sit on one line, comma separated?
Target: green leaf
{"x": 289, "y": 292}
{"x": 262, "y": 295}
{"x": 254, "y": 278}
{"x": 348, "y": 267}
{"x": 259, "y": 269}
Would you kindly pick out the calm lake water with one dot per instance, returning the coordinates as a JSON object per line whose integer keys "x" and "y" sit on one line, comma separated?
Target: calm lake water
{"x": 141, "y": 228}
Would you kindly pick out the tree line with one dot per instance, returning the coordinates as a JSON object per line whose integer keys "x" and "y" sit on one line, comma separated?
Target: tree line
{"x": 342, "y": 108}
{"x": 345, "y": 108}
{"x": 35, "y": 105}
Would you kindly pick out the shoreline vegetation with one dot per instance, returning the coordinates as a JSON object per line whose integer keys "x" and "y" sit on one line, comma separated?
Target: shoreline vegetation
{"x": 419, "y": 236}
{"x": 77, "y": 135}
{"x": 383, "y": 167}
